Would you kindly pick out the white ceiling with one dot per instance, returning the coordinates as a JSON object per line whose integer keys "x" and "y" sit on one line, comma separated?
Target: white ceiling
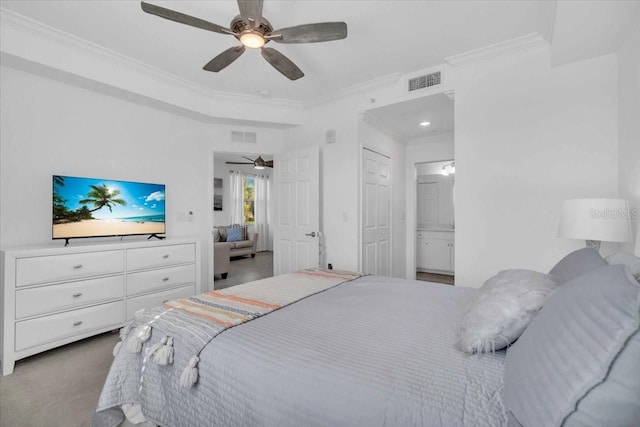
{"x": 384, "y": 37}
{"x": 404, "y": 118}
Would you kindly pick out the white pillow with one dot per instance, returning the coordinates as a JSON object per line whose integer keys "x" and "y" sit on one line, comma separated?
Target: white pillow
{"x": 631, "y": 261}
{"x": 501, "y": 309}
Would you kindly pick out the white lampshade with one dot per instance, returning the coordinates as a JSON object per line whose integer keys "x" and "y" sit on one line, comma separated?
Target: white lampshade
{"x": 596, "y": 219}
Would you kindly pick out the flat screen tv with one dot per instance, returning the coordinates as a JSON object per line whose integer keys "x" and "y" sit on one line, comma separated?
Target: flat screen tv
{"x": 90, "y": 207}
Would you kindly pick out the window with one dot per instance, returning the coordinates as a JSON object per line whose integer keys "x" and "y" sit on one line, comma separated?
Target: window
{"x": 248, "y": 196}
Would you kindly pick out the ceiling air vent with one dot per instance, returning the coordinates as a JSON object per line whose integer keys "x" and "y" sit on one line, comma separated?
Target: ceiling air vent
{"x": 424, "y": 81}
{"x": 246, "y": 137}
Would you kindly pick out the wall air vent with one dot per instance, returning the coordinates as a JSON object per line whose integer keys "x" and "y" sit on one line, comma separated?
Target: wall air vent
{"x": 245, "y": 137}
{"x": 422, "y": 82}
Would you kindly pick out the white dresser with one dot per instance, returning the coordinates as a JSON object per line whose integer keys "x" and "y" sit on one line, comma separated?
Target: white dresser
{"x": 54, "y": 296}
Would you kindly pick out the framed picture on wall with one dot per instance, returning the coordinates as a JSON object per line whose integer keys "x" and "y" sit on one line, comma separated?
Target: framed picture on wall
{"x": 217, "y": 194}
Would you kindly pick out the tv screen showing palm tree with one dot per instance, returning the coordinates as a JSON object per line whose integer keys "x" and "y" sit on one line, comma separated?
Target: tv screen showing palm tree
{"x": 89, "y": 207}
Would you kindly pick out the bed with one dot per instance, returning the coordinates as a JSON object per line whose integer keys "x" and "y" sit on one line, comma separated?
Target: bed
{"x": 369, "y": 350}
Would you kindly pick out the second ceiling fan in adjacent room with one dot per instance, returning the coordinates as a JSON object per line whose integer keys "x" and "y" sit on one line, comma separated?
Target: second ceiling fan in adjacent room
{"x": 258, "y": 163}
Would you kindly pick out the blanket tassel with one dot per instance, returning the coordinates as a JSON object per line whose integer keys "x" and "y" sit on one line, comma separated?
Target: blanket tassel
{"x": 116, "y": 348}
{"x": 124, "y": 331}
{"x": 164, "y": 353}
{"x": 140, "y": 336}
{"x": 190, "y": 374}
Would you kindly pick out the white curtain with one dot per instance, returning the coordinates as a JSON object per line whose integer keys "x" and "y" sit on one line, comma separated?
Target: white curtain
{"x": 261, "y": 210}
{"x": 235, "y": 198}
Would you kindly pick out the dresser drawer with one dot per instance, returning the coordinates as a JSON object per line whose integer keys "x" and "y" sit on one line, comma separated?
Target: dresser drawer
{"x": 48, "y": 299}
{"x": 33, "y": 332}
{"x": 142, "y": 258}
{"x": 150, "y": 300}
{"x": 55, "y": 268}
{"x": 152, "y": 280}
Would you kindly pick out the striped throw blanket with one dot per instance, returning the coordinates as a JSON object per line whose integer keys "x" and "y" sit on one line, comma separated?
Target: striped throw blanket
{"x": 193, "y": 322}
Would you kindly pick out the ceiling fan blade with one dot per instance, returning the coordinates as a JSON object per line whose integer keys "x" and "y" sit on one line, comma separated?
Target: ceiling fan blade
{"x": 268, "y": 163}
{"x": 238, "y": 163}
{"x": 224, "y": 59}
{"x": 252, "y": 160}
{"x": 282, "y": 63}
{"x": 182, "y": 18}
{"x": 251, "y": 11}
{"x": 311, "y": 33}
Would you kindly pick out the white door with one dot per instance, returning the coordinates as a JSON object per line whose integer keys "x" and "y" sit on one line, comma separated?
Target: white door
{"x": 427, "y": 201}
{"x": 422, "y": 250}
{"x": 297, "y": 205}
{"x": 376, "y": 215}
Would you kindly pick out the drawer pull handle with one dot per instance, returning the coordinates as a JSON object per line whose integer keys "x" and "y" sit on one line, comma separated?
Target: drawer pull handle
{"x": 166, "y": 279}
{"x": 165, "y": 256}
{"x": 77, "y": 294}
{"x": 77, "y": 266}
{"x": 77, "y": 323}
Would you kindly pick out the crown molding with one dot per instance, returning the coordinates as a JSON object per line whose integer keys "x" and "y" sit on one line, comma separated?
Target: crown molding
{"x": 360, "y": 88}
{"x": 509, "y": 47}
{"x": 367, "y": 117}
{"x": 22, "y": 23}
{"x": 436, "y": 137}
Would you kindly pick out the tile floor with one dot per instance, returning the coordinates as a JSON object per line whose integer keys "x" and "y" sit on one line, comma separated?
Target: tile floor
{"x": 438, "y": 278}
{"x": 246, "y": 269}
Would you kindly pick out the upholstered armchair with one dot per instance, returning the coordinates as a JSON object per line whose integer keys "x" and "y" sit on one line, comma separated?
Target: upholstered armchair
{"x": 245, "y": 244}
{"x": 221, "y": 258}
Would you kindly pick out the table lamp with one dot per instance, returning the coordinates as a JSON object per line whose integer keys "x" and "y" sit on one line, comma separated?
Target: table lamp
{"x": 596, "y": 220}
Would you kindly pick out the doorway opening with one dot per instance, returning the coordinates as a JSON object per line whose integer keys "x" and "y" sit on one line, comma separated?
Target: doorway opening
{"x": 435, "y": 221}
{"x": 242, "y": 188}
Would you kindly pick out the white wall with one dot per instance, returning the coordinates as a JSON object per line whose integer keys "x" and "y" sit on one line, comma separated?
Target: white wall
{"x": 515, "y": 117}
{"x": 629, "y": 121}
{"x": 48, "y": 127}
{"x": 221, "y": 170}
{"x": 340, "y": 176}
{"x": 338, "y": 179}
{"x": 528, "y": 137}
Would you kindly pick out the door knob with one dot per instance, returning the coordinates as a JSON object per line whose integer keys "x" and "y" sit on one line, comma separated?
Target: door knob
{"x": 312, "y": 234}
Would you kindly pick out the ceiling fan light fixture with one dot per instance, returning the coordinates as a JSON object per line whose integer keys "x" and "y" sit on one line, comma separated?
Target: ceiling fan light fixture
{"x": 258, "y": 167}
{"x": 252, "y": 40}
{"x": 425, "y": 123}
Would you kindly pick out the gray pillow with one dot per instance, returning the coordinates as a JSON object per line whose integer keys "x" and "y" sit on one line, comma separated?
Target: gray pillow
{"x": 578, "y": 263}
{"x": 501, "y": 309}
{"x": 223, "y": 233}
{"x": 578, "y": 361}
{"x": 631, "y": 261}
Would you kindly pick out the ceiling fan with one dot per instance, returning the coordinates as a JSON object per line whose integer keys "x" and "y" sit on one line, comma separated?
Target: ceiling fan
{"x": 258, "y": 163}
{"x": 254, "y": 31}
